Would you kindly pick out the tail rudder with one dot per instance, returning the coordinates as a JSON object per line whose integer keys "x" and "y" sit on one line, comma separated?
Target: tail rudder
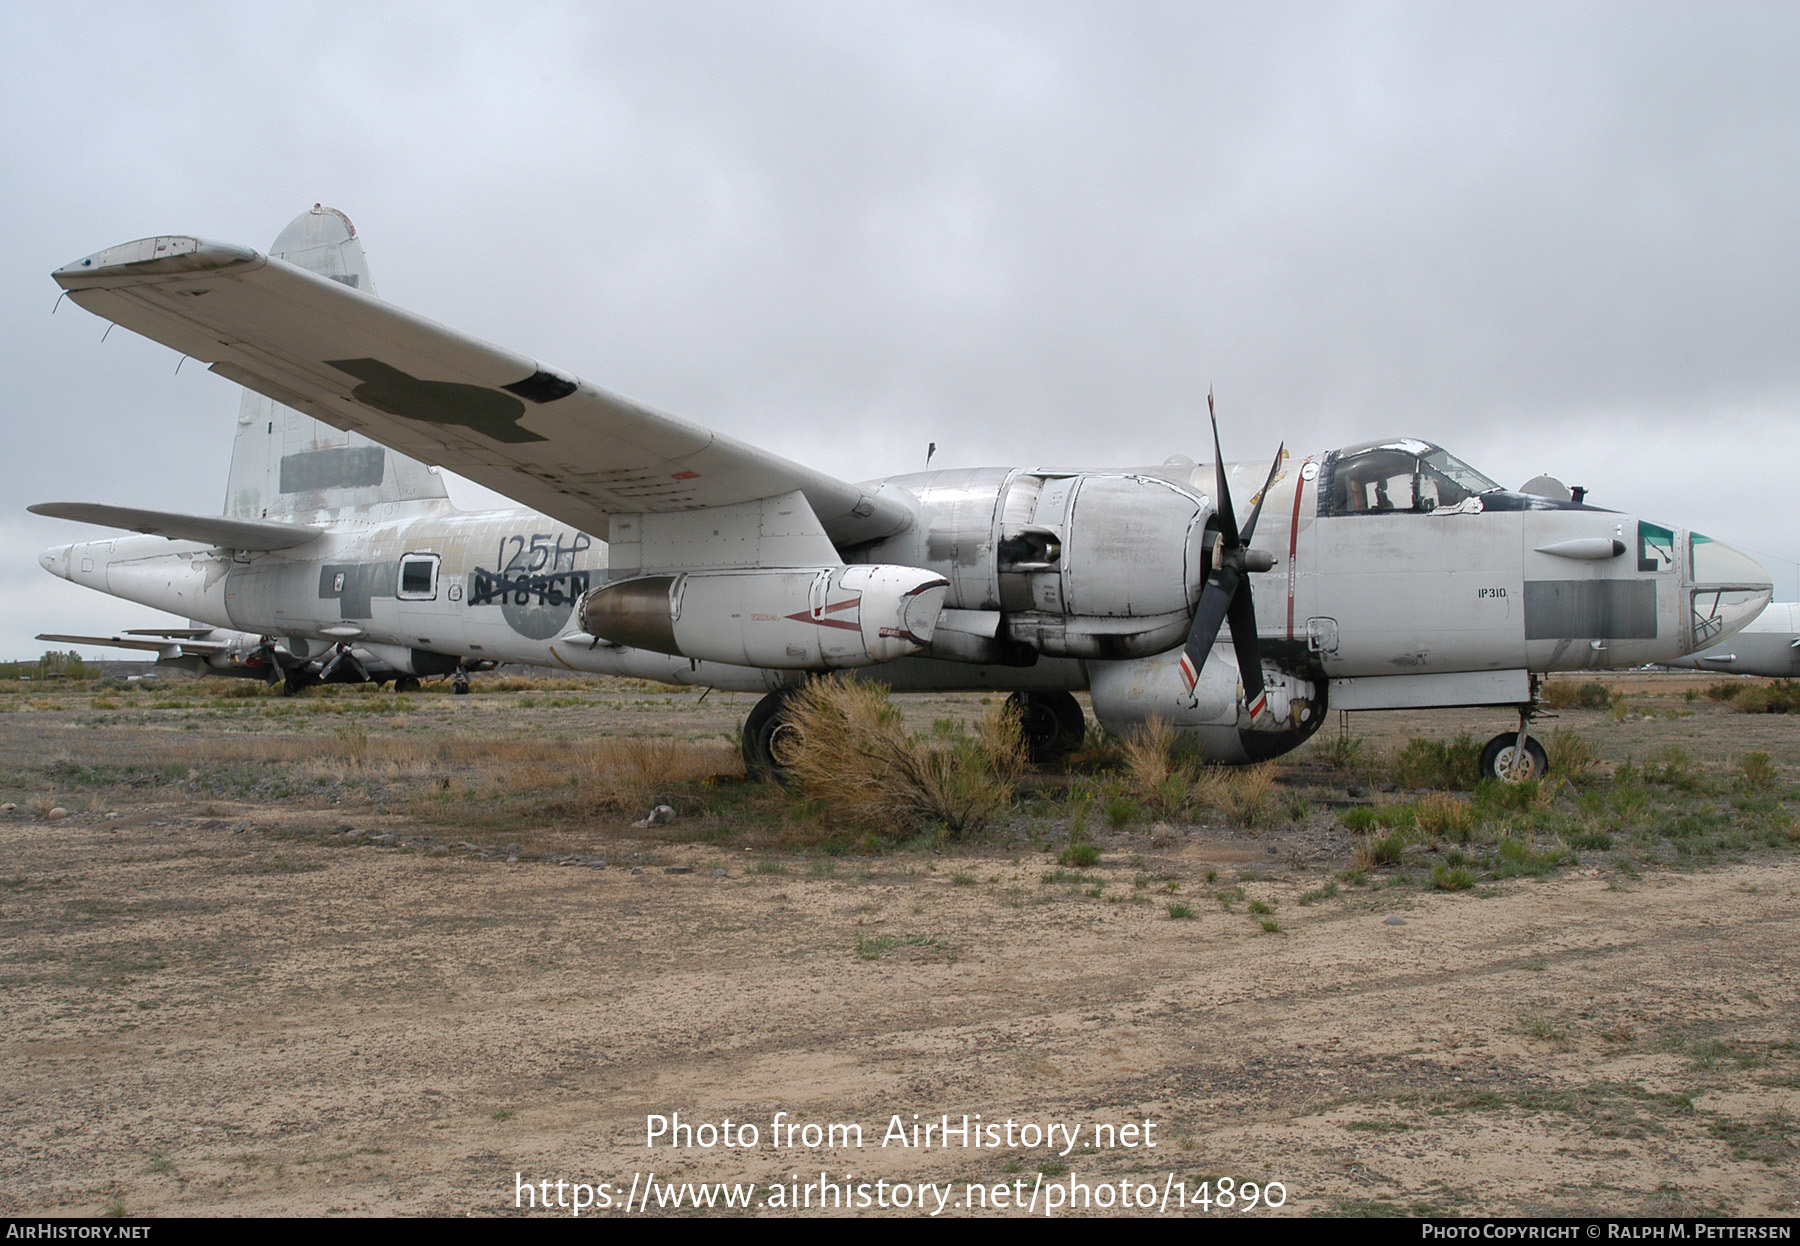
{"x": 286, "y": 465}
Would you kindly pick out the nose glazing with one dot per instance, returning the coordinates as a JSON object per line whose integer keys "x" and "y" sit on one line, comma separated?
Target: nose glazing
{"x": 1727, "y": 589}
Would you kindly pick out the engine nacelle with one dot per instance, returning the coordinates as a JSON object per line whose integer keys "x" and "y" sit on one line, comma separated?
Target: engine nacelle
{"x": 1127, "y": 695}
{"x": 1105, "y": 565}
{"x": 783, "y": 618}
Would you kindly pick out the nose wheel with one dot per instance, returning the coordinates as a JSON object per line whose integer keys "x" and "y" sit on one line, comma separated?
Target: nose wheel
{"x": 1513, "y": 756}
{"x": 1503, "y": 760}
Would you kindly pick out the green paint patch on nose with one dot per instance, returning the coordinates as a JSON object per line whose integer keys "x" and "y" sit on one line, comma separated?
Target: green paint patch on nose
{"x": 490, "y": 412}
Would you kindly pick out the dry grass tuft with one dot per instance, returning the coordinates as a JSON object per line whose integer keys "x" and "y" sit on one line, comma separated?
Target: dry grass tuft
{"x": 1443, "y": 816}
{"x": 630, "y": 774}
{"x": 850, "y": 752}
{"x": 1245, "y": 794}
{"x": 1572, "y": 755}
{"x": 1159, "y": 777}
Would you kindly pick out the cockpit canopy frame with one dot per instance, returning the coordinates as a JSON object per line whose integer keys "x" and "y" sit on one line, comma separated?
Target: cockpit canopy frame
{"x": 1399, "y": 476}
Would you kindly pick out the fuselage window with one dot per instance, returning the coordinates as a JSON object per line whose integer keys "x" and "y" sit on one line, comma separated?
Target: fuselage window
{"x": 418, "y": 577}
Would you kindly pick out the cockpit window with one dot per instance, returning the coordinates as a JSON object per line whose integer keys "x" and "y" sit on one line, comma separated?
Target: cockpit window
{"x": 1452, "y": 475}
{"x": 1656, "y": 547}
{"x": 1407, "y": 476}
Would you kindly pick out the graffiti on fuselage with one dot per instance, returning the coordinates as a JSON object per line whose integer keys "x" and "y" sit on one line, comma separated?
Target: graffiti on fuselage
{"x": 535, "y": 581}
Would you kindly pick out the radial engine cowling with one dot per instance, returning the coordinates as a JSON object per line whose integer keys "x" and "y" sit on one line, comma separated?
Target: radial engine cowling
{"x": 783, "y": 618}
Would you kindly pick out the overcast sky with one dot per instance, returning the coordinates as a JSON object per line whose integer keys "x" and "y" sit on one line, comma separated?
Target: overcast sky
{"x": 1551, "y": 237}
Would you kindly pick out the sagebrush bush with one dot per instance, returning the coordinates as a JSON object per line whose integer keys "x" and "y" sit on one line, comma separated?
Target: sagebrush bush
{"x": 1758, "y": 771}
{"x": 1434, "y": 764}
{"x": 850, "y": 751}
{"x": 1780, "y": 697}
{"x": 1564, "y": 694}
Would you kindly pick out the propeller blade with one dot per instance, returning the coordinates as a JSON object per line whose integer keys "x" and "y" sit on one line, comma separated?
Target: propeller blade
{"x": 1227, "y": 597}
{"x": 1209, "y": 617}
{"x": 1227, "y": 516}
{"x": 1242, "y": 617}
{"x": 1274, "y": 471}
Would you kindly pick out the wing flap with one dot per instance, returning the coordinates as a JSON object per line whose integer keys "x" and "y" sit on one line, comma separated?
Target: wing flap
{"x": 546, "y": 439}
{"x": 771, "y": 532}
{"x": 247, "y": 534}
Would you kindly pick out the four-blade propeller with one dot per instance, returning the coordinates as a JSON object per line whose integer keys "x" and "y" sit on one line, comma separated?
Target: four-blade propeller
{"x": 1226, "y": 598}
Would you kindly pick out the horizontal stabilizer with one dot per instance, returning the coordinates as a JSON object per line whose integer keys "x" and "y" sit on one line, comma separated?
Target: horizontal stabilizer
{"x": 255, "y": 534}
{"x": 152, "y": 646}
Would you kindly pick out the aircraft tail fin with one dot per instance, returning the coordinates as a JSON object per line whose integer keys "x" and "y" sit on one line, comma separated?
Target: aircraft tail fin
{"x": 287, "y": 466}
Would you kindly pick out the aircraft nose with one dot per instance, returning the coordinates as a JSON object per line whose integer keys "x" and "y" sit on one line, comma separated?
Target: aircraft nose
{"x": 55, "y": 560}
{"x": 1729, "y": 587}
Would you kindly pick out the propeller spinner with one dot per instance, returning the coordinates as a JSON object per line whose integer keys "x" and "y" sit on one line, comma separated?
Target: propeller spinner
{"x": 1226, "y": 597}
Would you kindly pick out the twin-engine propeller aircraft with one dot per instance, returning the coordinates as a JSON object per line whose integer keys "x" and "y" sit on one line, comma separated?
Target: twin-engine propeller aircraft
{"x": 1383, "y": 575}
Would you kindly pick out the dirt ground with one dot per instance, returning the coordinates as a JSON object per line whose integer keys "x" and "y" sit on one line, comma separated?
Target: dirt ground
{"x": 304, "y": 1002}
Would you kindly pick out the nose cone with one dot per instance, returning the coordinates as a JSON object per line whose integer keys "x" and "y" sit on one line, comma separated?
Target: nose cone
{"x": 55, "y": 560}
{"x": 1730, "y": 589}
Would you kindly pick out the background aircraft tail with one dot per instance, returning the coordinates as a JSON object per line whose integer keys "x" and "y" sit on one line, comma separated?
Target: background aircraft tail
{"x": 288, "y": 466}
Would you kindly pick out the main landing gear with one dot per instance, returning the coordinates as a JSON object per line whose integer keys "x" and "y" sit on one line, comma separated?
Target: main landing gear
{"x": 1053, "y": 723}
{"x": 1514, "y": 756}
{"x": 767, "y": 723}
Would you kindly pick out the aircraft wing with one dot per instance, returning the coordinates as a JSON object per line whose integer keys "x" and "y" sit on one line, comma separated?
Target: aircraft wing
{"x": 175, "y": 643}
{"x": 251, "y": 534}
{"x": 542, "y": 437}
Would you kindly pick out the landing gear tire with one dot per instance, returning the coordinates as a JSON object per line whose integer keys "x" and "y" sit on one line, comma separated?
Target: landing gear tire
{"x": 292, "y": 686}
{"x": 406, "y": 683}
{"x": 763, "y": 730}
{"x": 1053, "y": 723}
{"x": 459, "y": 687}
{"x": 1497, "y": 759}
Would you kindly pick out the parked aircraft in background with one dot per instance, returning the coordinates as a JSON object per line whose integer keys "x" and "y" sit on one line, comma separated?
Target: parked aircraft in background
{"x": 1768, "y": 645}
{"x": 246, "y": 655}
{"x": 1381, "y": 575}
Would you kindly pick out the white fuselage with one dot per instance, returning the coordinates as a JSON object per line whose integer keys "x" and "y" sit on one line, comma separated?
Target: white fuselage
{"x": 1091, "y": 577}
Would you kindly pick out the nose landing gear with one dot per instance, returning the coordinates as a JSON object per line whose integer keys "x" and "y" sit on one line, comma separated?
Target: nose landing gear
{"x": 1514, "y": 756}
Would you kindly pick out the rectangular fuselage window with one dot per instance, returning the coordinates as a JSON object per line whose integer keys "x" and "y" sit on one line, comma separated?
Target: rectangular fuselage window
{"x": 418, "y": 577}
